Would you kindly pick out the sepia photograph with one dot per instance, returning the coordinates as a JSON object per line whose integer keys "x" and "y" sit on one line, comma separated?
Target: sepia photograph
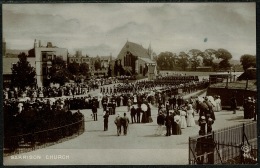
{"x": 129, "y": 84}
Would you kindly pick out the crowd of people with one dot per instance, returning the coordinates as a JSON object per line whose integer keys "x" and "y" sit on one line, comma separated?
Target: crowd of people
{"x": 27, "y": 122}
{"x": 69, "y": 89}
{"x": 166, "y": 92}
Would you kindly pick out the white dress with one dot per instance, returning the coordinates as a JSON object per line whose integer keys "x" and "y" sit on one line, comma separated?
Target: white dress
{"x": 218, "y": 104}
{"x": 183, "y": 119}
{"x": 190, "y": 118}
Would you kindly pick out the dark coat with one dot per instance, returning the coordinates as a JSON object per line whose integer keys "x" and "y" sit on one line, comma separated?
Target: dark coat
{"x": 160, "y": 120}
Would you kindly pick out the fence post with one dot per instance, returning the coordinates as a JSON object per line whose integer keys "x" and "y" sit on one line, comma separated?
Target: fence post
{"x": 243, "y": 142}
{"x": 189, "y": 151}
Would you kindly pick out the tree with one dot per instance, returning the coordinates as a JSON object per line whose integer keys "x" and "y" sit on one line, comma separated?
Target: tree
{"x": 116, "y": 68}
{"x": 224, "y": 64}
{"x": 208, "y": 57}
{"x": 73, "y": 68}
{"x": 109, "y": 71}
{"x": 97, "y": 64}
{"x": 225, "y": 56}
{"x": 23, "y": 74}
{"x": 215, "y": 66}
{"x": 183, "y": 60}
{"x": 194, "y": 60}
{"x": 166, "y": 60}
{"x": 58, "y": 71}
{"x": 84, "y": 69}
{"x": 247, "y": 61}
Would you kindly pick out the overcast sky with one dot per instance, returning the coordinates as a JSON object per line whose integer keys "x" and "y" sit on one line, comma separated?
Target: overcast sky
{"x": 101, "y": 29}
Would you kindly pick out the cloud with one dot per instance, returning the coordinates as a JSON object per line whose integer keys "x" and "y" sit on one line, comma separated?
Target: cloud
{"x": 168, "y": 26}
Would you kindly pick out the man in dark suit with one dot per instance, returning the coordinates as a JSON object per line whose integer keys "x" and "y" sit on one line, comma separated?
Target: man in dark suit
{"x": 133, "y": 113}
{"x": 106, "y": 121}
{"x": 168, "y": 125}
{"x": 125, "y": 122}
{"x": 94, "y": 111}
{"x": 138, "y": 113}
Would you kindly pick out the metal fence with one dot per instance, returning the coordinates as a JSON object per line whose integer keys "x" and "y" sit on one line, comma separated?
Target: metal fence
{"x": 222, "y": 146}
{"x": 36, "y": 140}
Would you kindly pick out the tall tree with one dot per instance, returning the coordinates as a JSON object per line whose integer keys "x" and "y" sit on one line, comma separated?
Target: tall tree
{"x": 224, "y": 64}
{"x": 73, "y": 68}
{"x": 208, "y": 57}
{"x": 247, "y": 61}
{"x": 97, "y": 64}
{"x": 166, "y": 60}
{"x": 225, "y": 56}
{"x": 183, "y": 60}
{"x": 23, "y": 74}
{"x": 116, "y": 68}
{"x": 195, "y": 58}
{"x": 109, "y": 71}
{"x": 58, "y": 71}
{"x": 84, "y": 69}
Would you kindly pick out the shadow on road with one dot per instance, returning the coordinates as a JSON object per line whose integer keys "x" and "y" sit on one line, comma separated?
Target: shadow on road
{"x": 108, "y": 135}
{"x": 153, "y": 135}
{"x": 95, "y": 131}
{"x": 236, "y": 118}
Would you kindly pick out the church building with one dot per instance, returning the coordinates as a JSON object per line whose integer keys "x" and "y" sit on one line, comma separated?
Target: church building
{"x": 135, "y": 59}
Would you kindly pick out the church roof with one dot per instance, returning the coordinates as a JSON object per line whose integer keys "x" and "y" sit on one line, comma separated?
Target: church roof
{"x": 135, "y": 49}
{"x": 147, "y": 60}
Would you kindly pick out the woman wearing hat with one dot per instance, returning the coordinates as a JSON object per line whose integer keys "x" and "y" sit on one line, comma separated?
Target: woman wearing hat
{"x": 218, "y": 104}
{"x": 190, "y": 118}
{"x": 176, "y": 130}
{"x": 183, "y": 119}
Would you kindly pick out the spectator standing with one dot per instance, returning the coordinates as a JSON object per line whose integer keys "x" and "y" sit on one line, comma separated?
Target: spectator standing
{"x": 138, "y": 113}
{"x": 133, "y": 113}
{"x": 118, "y": 124}
{"x": 234, "y": 104}
{"x": 168, "y": 125}
{"x": 176, "y": 125}
{"x": 125, "y": 122}
{"x": 106, "y": 121}
{"x": 94, "y": 111}
{"x": 160, "y": 122}
{"x": 183, "y": 119}
{"x": 190, "y": 118}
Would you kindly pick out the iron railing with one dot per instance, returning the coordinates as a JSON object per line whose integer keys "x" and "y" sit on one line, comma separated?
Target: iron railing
{"x": 36, "y": 140}
{"x": 223, "y": 145}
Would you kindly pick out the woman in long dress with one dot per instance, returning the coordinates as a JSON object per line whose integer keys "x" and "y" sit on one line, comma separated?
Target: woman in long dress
{"x": 218, "y": 104}
{"x": 183, "y": 119}
{"x": 190, "y": 118}
{"x": 176, "y": 125}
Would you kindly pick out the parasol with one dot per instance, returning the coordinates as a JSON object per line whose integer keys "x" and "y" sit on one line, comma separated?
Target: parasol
{"x": 200, "y": 99}
{"x": 211, "y": 99}
{"x": 144, "y": 107}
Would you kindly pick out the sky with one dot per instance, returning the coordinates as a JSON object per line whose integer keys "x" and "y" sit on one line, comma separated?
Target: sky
{"x": 103, "y": 29}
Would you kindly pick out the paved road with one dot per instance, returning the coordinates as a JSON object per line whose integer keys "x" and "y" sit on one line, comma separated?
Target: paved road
{"x": 139, "y": 147}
